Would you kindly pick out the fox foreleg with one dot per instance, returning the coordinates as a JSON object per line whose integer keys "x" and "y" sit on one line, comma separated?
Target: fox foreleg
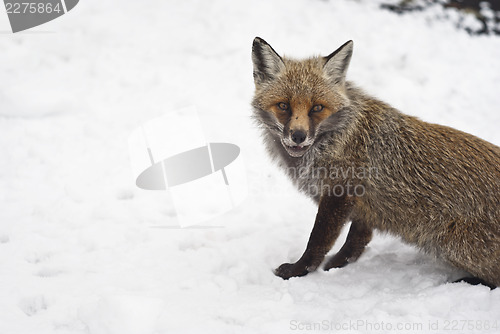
{"x": 333, "y": 214}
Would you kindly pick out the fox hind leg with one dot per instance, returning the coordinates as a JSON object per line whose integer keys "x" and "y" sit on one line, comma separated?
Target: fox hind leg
{"x": 358, "y": 237}
{"x": 476, "y": 281}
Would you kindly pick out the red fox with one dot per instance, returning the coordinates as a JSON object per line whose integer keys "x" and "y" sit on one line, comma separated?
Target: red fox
{"x": 362, "y": 161}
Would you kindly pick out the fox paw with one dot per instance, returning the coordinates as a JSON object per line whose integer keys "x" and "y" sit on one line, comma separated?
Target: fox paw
{"x": 287, "y": 270}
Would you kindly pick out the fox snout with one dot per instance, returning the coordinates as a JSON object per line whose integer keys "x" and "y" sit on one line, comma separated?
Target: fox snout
{"x": 294, "y": 136}
{"x": 298, "y": 136}
{"x": 298, "y": 132}
{"x": 296, "y": 141}
{"x": 298, "y": 127}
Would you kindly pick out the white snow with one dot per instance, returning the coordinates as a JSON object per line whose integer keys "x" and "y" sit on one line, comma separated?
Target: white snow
{"x": 82, "y": 250}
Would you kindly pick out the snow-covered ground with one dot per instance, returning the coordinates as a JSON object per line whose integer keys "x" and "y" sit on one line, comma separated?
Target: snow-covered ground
{"x": 82, "y": 250}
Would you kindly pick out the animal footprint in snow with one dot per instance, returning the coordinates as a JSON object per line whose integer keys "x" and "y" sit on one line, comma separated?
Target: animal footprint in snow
{"x": 33, "y": 305}
{"x": 48, "y": 272}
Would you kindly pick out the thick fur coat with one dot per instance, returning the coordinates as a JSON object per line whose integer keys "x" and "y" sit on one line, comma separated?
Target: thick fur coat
{"x": 363, "y": 161}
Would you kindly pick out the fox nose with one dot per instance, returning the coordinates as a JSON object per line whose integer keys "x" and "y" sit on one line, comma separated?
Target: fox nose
{"x": 299, "y": 136}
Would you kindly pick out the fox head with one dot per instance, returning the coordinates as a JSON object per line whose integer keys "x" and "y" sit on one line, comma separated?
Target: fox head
{"x": 297, "y": 101}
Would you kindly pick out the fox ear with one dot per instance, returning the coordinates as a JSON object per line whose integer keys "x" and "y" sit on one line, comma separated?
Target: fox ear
{"x": 266, "y": 62}
{"x": 337, "y": 62}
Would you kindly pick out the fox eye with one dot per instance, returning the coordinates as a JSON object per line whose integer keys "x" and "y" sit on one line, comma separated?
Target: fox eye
{"x": 317, "y": 108}
{"x": 283, "y": 106}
